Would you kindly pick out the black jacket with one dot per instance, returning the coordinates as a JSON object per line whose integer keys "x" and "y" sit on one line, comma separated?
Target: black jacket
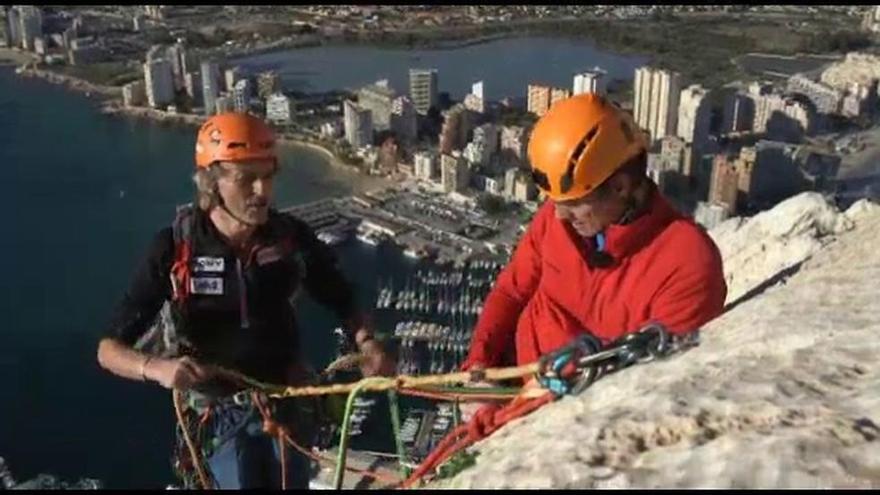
{"x": 240, "y": 314}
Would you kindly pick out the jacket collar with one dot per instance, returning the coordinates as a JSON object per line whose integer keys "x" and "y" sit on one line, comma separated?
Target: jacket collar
{"x": 625, "y": 240}
{"x": 622, "y": 241}
{"x": 205, "y": 229}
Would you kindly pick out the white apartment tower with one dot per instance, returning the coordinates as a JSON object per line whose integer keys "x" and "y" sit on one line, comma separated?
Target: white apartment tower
{"x": 591, "y": 81}
{"x": 158, "y": 82}
{"x": 657, "y": 94}
{"x": 423, "y": 89}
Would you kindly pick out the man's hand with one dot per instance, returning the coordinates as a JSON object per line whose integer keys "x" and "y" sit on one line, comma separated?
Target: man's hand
{"x": 468, "y": 409}
{"x": 376, "y": 361}
{"x": 180, "y": 373}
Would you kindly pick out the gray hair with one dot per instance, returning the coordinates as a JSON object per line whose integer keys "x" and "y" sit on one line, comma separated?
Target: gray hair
{"x": 207, "y": 196}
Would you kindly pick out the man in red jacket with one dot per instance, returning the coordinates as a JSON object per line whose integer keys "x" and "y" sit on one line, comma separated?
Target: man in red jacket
{"x": 607, "y": 255}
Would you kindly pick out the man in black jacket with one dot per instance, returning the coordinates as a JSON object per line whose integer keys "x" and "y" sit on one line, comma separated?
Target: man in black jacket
{"x": 222, "y": 278}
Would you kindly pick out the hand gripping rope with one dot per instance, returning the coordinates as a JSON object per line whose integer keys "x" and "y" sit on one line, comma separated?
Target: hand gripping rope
{"x": 569, "y": 370}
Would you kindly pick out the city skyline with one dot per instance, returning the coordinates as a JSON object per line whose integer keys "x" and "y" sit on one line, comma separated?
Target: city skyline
{"x": 689, "y": 126}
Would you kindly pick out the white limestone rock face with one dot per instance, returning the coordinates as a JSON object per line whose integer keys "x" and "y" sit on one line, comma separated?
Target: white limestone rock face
{"x": 862, "y": 208}
{"x": 759, "y": 248}
{"x": 783, "y": 391}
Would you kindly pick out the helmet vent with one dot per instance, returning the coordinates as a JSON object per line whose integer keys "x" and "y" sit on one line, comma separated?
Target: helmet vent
{"x": 567, "y": 180}
{"x": 235, "y": 145}
{"x": 579, "y": 149}
{"x": 540, "y": 179}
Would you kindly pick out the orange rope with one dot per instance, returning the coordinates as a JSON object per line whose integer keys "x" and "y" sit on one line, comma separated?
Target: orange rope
{"x": 283, "y": 455}
{"x": 196, "y": 459}
{"x": 205, "y": 417}
{"x": 272, "y": 427}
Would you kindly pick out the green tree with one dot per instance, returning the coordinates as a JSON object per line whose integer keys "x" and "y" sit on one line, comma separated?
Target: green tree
{"x": 491, "y": 204}
{"x": 837, "y": 41}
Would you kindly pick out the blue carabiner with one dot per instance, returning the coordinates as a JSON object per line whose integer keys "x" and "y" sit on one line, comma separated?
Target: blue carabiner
{"x": 550, "y": 376}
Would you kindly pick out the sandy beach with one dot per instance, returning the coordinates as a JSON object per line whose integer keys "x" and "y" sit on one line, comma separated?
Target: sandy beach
{"x": 359, "y": 182}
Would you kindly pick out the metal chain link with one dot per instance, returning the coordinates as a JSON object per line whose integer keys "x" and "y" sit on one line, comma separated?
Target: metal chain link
{"x": 649, "y": 343}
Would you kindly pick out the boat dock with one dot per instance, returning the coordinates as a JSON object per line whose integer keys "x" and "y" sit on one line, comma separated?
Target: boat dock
{"x": 422, "y": 225}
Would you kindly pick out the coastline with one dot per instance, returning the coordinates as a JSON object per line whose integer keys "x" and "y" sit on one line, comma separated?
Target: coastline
{"x": 96, "y": 91}
{"x": 117, "y": 109}
{"x": 24, "y": 64}
{"x": 421, "y": 41}
{"x": 395, "y": 40}
{"x": 8, "y": 57}
{"x": 110, "y": 99}
{"x": 363, "y": 181}
{"x": 332, "y": 159}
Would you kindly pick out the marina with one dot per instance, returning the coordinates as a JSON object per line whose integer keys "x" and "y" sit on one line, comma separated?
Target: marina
{"x": 427, "y": 311}
{"x": 434, "y": 311}
{"x": 422, "y": 225}
{"x": 427, "y": 316}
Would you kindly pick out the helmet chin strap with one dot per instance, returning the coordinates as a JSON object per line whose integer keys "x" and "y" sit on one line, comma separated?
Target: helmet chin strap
{"x": 599, "y": 257}
{"x": 629, "y": 213}
{"x": 222, "y": 205}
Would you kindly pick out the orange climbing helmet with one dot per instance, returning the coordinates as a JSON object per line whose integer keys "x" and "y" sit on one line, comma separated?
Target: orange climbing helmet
{"x": 234, "y": 137}
{"x": 579, "y": 143}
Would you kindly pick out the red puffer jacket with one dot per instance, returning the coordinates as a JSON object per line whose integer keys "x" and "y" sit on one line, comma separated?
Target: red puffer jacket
{"x": 667, "y": 270}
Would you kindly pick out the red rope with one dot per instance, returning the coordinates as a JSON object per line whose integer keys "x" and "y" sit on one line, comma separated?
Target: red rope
{"x": 448, "y": 396}
{"x": 486, "y": 421}
{"x": 331, "y": 462}
{"x": 283, "y": 457}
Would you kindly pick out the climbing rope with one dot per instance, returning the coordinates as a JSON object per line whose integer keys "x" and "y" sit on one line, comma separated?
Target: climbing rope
{"x": 395, "y": 425}
{"x": 568, "y": 370}
{"x": 402, "y": 382}
{"x": 194, "y": 455}
{"x": 485, "y": 422}
{"x": 346, "y": 422}
{"x": 422, "y": 386}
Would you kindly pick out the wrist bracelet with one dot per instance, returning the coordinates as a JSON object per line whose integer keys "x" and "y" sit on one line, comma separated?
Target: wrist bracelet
{"x": 144, "y": 368}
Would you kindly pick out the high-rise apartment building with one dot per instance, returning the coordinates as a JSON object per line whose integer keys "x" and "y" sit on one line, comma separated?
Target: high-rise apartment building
{"x": 657, "y": 95}
{"x": 423, "y": 89}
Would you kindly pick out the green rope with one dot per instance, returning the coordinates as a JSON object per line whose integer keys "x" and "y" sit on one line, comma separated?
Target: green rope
{"x": 395, "y": 424}
{"x": 346, "y": 421}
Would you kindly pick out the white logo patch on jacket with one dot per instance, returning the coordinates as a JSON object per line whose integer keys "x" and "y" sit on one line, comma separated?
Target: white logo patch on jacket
{"x": 209, "y": 264}
{"x": 211, "y": 286}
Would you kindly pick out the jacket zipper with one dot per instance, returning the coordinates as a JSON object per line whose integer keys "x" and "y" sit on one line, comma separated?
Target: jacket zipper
{"x": 242, "y": 296}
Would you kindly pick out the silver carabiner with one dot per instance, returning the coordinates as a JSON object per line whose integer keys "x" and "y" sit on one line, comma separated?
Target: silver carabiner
{"x": 660, "y": 347}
